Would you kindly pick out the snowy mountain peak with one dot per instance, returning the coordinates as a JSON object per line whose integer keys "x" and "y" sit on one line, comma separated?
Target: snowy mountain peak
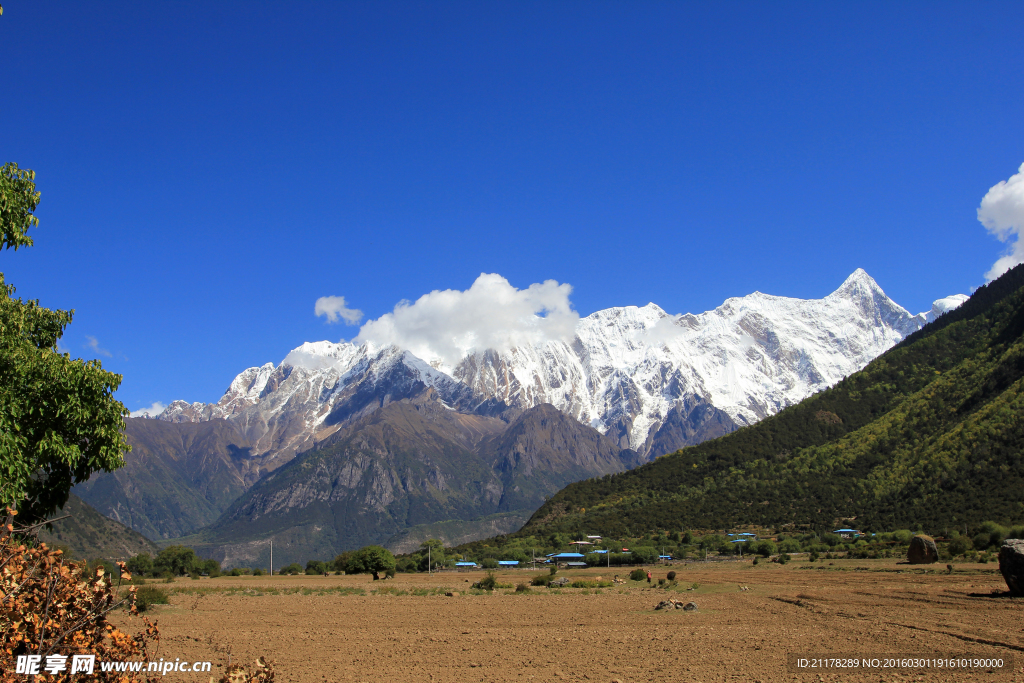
{"x": 859, "y": 284}
{"x": 945, "y": 305}
{"x": 628, "y": 370}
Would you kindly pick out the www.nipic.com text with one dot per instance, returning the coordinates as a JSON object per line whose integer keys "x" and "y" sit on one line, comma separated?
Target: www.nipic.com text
{"x": 32, "y": 665}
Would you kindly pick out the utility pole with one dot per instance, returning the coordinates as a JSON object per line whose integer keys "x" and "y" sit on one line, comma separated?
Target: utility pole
{"x": 271, "y": 558}
{"x": 429, "y": 571}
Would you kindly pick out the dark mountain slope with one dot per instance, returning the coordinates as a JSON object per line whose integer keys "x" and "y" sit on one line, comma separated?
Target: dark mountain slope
{"x": 177, "y": 478}
{"x": 90, "y": 535}
{"x": 545, "y": 449}
{"x": 410, "y": 463}
{"x": 930, "y": 432}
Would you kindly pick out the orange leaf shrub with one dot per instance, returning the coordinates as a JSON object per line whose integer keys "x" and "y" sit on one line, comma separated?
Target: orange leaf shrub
{"x": 50, "y": 607}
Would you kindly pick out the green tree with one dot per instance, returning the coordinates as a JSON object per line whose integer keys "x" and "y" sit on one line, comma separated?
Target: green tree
{"x": 371, "y": 559}
{"x": 341, "y": 561}
{"x": 177, "y": 560}
{"x": 645, "y": 555}
{"x": 59, "y": 421}
{"x": 140, "y": 565}
{"x": 435, "y": 555}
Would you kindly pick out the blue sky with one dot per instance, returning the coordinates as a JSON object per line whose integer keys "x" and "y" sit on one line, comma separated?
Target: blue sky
{"x": 209, "y": 170}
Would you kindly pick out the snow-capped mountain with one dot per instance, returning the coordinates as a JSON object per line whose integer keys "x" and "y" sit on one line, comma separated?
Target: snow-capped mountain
{"x": 626, "y": 371}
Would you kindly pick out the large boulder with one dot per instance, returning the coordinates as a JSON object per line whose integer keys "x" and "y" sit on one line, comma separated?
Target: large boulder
{"x": 1011, "y": 564}
{"x": 922, "y": 550}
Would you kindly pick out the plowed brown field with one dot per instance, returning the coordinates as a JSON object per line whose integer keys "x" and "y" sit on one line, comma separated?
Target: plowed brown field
{"x": 315, "y": 633}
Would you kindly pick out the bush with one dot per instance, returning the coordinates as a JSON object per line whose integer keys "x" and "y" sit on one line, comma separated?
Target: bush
{"x": 522, "y": 588}
{"x": 257, "y": 572}
{"x": 68, "y": 607}
{"x": 784, "y": 558}
{"x": 487, "y": 583}
{"x": 672, "y": 576}
{"x": 902, "y": 536}
{"x": 959, "y": 545}
{"x": 489, "y": 563}
{"x": 316, "y": 567}
{"x": 789, "y": 545}
{"x": 147, "y": 596}
{"x": 638, "y": 574}
{"x": 813, "y": 557}
{"x": 293, "y": 569}
{"x": 542, "y": 580}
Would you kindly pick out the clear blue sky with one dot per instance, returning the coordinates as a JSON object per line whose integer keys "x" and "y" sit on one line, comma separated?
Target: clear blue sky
{"x": 209, "y": 170}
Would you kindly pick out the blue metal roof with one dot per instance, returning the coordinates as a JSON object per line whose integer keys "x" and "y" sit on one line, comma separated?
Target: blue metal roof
{"x": 599, "y": 552}
{"x": 465, "y": 564}
{"x": 566, "y": 555}
{"x": 508, "y": 562}
{"x": 664, "y": 557}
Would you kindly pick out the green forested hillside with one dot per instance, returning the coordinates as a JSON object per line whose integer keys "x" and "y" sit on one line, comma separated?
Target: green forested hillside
{"x": 90, "y": 535}
{"x": 929, "y": 434}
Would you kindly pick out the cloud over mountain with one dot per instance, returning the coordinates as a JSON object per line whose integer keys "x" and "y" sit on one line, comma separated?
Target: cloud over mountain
{"x": 1002, "y": 214}
{"x": 492, "y": 314}
{"x": 335, "y": 308}
{"x": 151, "y": 411}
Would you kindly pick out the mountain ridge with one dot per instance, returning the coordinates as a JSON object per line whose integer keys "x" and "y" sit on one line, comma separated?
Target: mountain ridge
{"x": 623, "y": 372}
{"x": 928, "y": 433}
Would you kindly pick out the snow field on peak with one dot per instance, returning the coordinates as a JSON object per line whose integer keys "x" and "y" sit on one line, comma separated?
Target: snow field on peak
{"x": 625, "y": 369}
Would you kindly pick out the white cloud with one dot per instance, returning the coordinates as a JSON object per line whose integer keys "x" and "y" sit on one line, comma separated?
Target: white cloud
{"x": 334, "y": 308}
{"x": 1002, "y": 214}
{"x": 151, "y": 411}
{"x": 491, "y": 314}
{"x": 94, "y": 344}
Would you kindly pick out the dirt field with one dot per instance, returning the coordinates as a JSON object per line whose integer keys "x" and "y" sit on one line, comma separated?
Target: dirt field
{"x": 315, "y": 632}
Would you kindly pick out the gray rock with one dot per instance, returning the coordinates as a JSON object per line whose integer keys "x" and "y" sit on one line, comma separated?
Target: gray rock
{"x": 690, "y": 607}
{"x": 922, "y": 550}
{"x": 1011, "y": 564}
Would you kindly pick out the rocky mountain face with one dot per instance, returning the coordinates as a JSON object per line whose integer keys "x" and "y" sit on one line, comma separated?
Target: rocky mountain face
{"x": 177, "y": 477}
{"x": 412, "y": 462}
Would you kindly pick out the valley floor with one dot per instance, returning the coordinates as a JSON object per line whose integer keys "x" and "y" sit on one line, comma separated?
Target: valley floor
{"x": 317, "y": 630}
